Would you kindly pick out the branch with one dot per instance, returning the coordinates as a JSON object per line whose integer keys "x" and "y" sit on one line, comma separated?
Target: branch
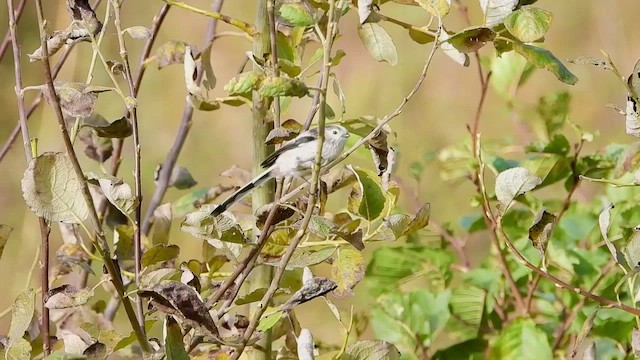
{"x": 133, "y": 112}
{"x": 34, "y": 104}
{"x": 99, "y": 239}
{"x": 29, "y": 154}
{"x": 185, "y": 125}
{"x": 17, "y": 14}
{"x": 215, "y": 14}
{"x": 587, "y": 294}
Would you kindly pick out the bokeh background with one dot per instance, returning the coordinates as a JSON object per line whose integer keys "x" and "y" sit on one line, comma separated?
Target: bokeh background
{"x": 437, "y": 116}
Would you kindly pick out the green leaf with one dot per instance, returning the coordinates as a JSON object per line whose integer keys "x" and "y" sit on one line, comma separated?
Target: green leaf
{"x": 514, "y": 182}
{"x": 347, "y": 270}
{"x": 522, "y": 340}
{"x": 5, "y": 231}
{"x": 21, "y": 315}
{"x": 391, "y": 265}
{"x": 296, "y": 15}
{"x": 372, "y": 350}
{"x": 159, "y": 253}
{"x": 52, "y": 190}
{"x": 496, "y": 10}
{"x": 554, "y": 111}
{"x": 269, "y": 321}
{"x": 305, "y": 257}
{"x": 467, "y": 308}
{"x": 471, "y": 39}
{"x": 528, "y": 24}
{"x": 244, "y": 83}
{"x": 173, "y": 343}
{"x": 118, "y": 129}
{"x": 438, "y": 8}
{"x": 544, "y": 59}
{"x": 367, "y": 197}
{"x": 379, "y": 44}
{"x": 204, "y": 226}
{"x": 448, "y": 48}
{"x": 506, "y": 72}
{"x": 558, "y": 145}
{"x": 171, "y": 52}
{"x": 282, "y": 86}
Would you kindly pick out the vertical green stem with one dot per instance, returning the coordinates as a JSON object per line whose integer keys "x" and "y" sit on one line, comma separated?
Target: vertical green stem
{"x": 262, "y": 275}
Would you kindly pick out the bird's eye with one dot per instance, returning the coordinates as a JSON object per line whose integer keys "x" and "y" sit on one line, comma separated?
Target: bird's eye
{"x": 335, "y": 132}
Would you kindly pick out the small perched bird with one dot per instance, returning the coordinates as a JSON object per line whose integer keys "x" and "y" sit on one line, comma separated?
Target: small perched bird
{"x": 295, "y": 158}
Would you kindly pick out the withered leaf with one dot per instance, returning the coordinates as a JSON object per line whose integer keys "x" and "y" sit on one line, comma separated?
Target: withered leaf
{"x": 310, "y": 290}
{"x": 118, "y": 129}
{"x": 282, "y": 213}
{"x": 287, "y": 131}
{"x": 76, "y": 99}
{"x": 183, "y": 302}
{"x": 540, "y": 230}
{"x": 67, "y": 296}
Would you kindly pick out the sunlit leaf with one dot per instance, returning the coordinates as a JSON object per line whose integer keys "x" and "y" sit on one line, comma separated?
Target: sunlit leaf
{"x": 282, "y": 86}
{"x": 244, "y": 83}
{"x": 496, "y": 10}
{"x": 52, "y": 190}
{"x": 528, "y": 24}
{"x": 296, "y": 14}
{"x": 119, "y": 194}
{"x": 367, "y": 197}
{"x": 379, "y": 44}
{"x": 438, "y": 8}
{"x": 514, "y": 182}
{"x": 347, "y": 270}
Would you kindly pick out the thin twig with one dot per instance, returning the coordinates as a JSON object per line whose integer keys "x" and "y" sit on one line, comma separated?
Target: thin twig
{"x": 133, "y": 116}
{"x": 100, "y": 239}
{"x": 17, "y": 14}
{"x": 273, "y": 38}
{"x": 566, "y": 203}
{"x": 117, "y": 152}
{"x": 575, "y": 310}
{"x": 587, "y": 294}
{"x": 34, "y": 104}
{"x": 26, "y": 138}
{"x": 185, "y": 125}
{"x": 216, "y": 15}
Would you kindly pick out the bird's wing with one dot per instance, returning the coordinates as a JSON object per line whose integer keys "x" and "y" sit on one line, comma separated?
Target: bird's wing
{"x": 300, "y": 140}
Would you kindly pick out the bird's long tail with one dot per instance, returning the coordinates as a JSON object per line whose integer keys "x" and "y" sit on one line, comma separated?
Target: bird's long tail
{"x": 242, "y": 192}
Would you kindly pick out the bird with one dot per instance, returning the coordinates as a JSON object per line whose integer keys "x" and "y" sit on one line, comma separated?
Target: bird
{"x": 295, "y": 158}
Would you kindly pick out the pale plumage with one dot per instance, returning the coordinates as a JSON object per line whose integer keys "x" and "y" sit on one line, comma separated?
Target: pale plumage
{"x": 294, "y": 158}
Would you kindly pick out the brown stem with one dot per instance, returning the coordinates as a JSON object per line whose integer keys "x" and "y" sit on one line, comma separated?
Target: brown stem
{"x": 566, "y": 203}
{"x": 185, "y": 125}
{"x": 26, "y": 138}
{"x": 587, "y": 294}
{"x": 133, "y": 115}
{"x": 566, "y": 324}
{"x": 116, "y": 157}
{"x": 93, "y": 215}
{"x": 457, "y": 244}
{"x": 17, "y": 14}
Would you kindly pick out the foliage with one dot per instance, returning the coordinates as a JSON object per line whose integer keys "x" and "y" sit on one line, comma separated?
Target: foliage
{"x": 546, "y": 281}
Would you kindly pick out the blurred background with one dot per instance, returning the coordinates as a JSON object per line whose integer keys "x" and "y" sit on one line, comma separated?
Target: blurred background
{"x": 436, "y": 117}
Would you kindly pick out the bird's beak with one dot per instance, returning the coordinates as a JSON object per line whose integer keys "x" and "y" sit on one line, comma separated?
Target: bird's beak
{"x": 346, "y": 135}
